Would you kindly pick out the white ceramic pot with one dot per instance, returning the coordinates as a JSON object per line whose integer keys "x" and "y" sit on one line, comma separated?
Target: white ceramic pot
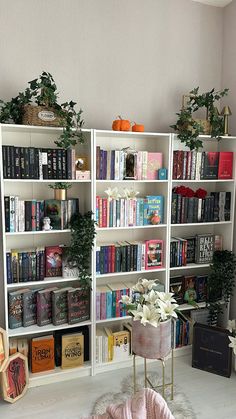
{"x": 151, "y": 342}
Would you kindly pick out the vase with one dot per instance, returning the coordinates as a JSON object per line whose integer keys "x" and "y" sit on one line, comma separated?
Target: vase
{"x": 151, "y": 342}
{"x": 60, "y": 194}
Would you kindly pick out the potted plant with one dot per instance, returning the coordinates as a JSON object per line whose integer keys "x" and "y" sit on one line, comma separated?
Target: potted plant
{"x": 221, "y": 282}
{"x": 60, "y": 190}
{"x": 189, "y": 128}
{"x": 152, "y": 312}
{"x": 82, "y": 241}
{"x": 38, "y": 105}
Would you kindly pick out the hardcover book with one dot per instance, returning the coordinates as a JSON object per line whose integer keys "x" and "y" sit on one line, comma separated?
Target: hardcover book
{"x": 54, "y": 212}
{"x": 191, "y": 244}
{"x": 154, "y": 254}
{"x": 205, "y": 246}
{"x": 121, "y": 345}
{"x": 225, "y": 170}
{"x": 153, "y": 209}
{"x": 42, "y": 354}
{"x": 58, "y": 342}
{"x": 53, "y": 259}
{"x": 78, "y": 305}
{"x": 60, "y": 306}
{"x": 154, "y": 164}
{"x": 201, "y": 288}
{"x": 190, "y": 293}
{"x": 29, "y": 308}
{"x": 44, "y": 306}
{"x": 176, "y": 286}
{"x": 72, "y": 350}
{"x": 15, "y": 308}
{"x": 211, "y": 161}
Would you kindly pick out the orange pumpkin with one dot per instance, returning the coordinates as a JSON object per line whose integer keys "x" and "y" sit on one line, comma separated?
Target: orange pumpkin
{"x": 121, "y": 124}
{"x": 138, "y": 127}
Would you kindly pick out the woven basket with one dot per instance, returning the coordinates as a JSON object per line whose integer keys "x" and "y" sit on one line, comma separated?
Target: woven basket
{"x": 41, "y": 115}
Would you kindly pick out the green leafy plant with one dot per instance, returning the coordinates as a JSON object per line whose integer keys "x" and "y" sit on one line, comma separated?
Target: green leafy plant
{"x": 221, "y": 282}
{"x": 60, "y": 185}
{"x": 82, "y": 241}
{"x": 43, "y": 92}
{"x": 189, "y": 128}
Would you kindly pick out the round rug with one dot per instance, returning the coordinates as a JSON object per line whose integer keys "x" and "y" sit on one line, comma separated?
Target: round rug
{"x": 180, "y": 407}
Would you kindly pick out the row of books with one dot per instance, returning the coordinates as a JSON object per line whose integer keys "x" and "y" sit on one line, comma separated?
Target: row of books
{"x": 182, "y": 332}
{"x": 63, "y": 348}
{"x": 27, "y": 307}
{"x": 124, "y": 212}
{"x": 25, "y": 265}
{"x": 197, "y": 249}
{"x": 129, "y": 164}
{"x": 38, "y": 163}
{"x": 213, "y": 208}
{"x": 129, "y": 256}
{"x": 189, "y": 288}
{"x": 27, "y": 215}
{"x": 113, "y": 345}
{"x": 197, "y": 165}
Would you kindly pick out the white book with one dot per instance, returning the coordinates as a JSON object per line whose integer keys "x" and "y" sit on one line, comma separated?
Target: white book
{"x": 114, "y": 212}
{"x": 12, "y": 214}
{"x": 139, "y": 164}
{"x": 144, "y": 164}
{"x": 122, "y": 165}
{"x": 16, "y": 213}
{"x": 122, "y": 212}
{"x": 40, "y": 165}
{"x": 108, "y": 176}
{"x": 143, "y": 256}
{"x": 117, "y": 165}
{"x": 21, "y": 217}
{"x": 198, "y": 165}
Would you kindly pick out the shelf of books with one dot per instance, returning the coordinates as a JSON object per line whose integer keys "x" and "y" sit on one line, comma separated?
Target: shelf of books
{"x": 44, "y": 309}
{"x": 131, "y": 204}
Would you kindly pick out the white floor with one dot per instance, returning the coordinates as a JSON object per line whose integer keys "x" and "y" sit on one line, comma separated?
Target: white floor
{"x": 211, "y": 396}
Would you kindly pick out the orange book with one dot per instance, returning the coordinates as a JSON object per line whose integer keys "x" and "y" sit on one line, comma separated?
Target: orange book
{"x": 42, "y": 354}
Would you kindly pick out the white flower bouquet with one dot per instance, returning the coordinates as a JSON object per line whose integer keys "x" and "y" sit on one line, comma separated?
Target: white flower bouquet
{"x": 148, "y": 305}
{"x": 232, "y": 328}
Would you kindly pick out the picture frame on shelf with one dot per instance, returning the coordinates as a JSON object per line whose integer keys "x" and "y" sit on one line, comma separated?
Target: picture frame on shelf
{"x": 15, "y": 378}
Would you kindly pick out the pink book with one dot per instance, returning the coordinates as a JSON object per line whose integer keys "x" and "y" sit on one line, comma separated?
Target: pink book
{"x": 154, "y": 163}
{"x": 154, "y": 254}
{"x": 97, "y": 305}
{"x": 139, "y": 165}
{"x": 104, "y": 212}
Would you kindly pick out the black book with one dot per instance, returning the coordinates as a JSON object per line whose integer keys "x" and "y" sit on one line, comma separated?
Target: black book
{"x": 17, "y": 162}
{"x": 4, "y": 161}
{"x": 64, "y": 166}
{"x": 7, "y": 213}
{"x": 59, "y": 163}
{"x": 54, "y": 164}
{"x": 32, "y": 163}
{"x": 215, "y": 206}
{"x": 174, "y": 208}
{"x": 210, "y": 350}
{"x": 45, "y": 163}
{"x": 176, "y": 286}
{"x": 190, "y": 210}
{"x": 69, "y": 163}
{"x": 191, "y": 242}
{"x": 227, "y": 206}
{"x": 28, "y": 215}
{"x": 58, "y": 341}
{"x": 12, "y": 162}
{"x": 178, "y": 209}
{"x": 195, "y": 210}
{"x": 27, "y": 163}
{"x": 22, "y": 163}
{"x": 8, "y": 162}
{"x": 36, "y": 167}
{"x": 211, "y": 161}
{"x": 50, "y": 173}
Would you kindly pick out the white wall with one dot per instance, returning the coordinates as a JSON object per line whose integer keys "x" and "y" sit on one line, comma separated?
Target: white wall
{"x": 129, "y": 57}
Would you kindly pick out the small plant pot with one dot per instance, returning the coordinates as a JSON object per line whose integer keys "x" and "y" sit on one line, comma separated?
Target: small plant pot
{"x": 151, "y": 342}
{"x": 60, "y": 194}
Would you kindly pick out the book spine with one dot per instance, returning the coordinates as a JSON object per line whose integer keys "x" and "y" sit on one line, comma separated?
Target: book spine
{"x": 27, "y": 163}
{"x": 28, "y": 215}
{"x": 54, "y": 164}
{"x": 9, "y": 268}
{"x": 7, "y": 213}
{"x": 17, "y": 162}
{"x": 69, "y": 163}
{"x": 12, "y": 214}
{"x": 97, "y": 162}
{"x": 4, "y": 161}
{"x": 64, "y": 167}
{"x": 12, "y": 162}
{"x": 33, "y": 214}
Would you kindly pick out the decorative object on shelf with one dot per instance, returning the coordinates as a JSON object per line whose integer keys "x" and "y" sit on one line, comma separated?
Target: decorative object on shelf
{"x": 82, "y": 241}
{"x": 60, "y": 190}
{"x": 162, "y": 174}
{"x": 232, "y": 329}
{"x": 46, "y": 224}
{"x": 152, "y": 312}
{"x": 226, "y": 112}
{"x": 15, "y": 377}
{"x": 81, "y": 163}
{"x": 4, "y": 350}
{"x": 190, "y": 128}
{"x": 221, "y": 282}
{"x": 82, "y": 175}
{"x": 38, "y": 105}
{"x": 113, "y": 193}
{"x": 121, "y": 124}
{"x": 130, "y": 193}
{"x": 137, "y": 127}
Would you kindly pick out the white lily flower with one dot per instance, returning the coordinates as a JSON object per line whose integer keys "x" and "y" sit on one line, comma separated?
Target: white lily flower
{"x": 113, "y": 193}
{"x": 166, "y": 296}
{"x": 232, "y": 343}
{"x": 126, "y": 299}
{"x": 130, "y": 193}
{"x": 151, "y": 297}
{"x": 150, "y": 315}
{"x": 231, "y": 325}
{"x": 167, "y": 309}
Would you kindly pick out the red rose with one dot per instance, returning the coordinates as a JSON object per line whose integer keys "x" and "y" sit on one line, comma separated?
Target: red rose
{"x": 201, "y": 193}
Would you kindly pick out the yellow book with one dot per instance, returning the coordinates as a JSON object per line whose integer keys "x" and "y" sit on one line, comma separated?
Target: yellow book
{"x": 109, "y": 333}
{"x": 72, "y": 350}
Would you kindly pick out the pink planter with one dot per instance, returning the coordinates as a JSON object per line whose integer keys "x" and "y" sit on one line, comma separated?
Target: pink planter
{"x": 151, "y": 342}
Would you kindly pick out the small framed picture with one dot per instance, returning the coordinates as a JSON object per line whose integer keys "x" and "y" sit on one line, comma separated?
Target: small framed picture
{"x": 4, "y": 350}
{"x": 15, "y": 377}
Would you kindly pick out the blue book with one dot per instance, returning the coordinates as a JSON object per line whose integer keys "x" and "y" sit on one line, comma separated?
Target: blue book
{"x": 112, "y": 164}
{"x": 106, "y": 261}
{"x": 9, "y": 270}
{"x": 104, "y": 167}
{"x": 110, "y": 213}
{"x": 98, "y": 260}
{"x": 145, "y": 212}
{"x": 154, "y": 209}
{"x": 109, "y": 304}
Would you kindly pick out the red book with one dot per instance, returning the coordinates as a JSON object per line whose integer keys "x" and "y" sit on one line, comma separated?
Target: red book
{"x": 113, "y": 258}
{"x": 153, "y": 254}
{"x": 53, "y": 261}
{"x": 33, "y": 214}
{"x": 179, "y": 170}
{"x": 104, "y": 212}
{"x": 225, "y": 169}
{"x": 100, "y": 212}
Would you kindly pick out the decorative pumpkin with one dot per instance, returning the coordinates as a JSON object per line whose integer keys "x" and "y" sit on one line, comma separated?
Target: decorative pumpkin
{"x": 138, "y": 127}
{"x": 121, "y": 124}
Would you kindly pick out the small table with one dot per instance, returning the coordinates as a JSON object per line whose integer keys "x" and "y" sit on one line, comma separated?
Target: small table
{"x": 164, "y": 385}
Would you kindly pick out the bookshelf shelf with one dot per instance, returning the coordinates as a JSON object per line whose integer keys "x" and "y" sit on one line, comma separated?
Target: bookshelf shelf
{"x": 47, "y": 181}
{"x": 130, "y": 181}
{"x": 203, "y": 181}
{"x": 114, "y": 319}
{"x": 131, "y": 227}
{"x": 190, "y": 266}
{"x": 33, "y": 330}
{"x": 201, "y": 224}
{"x": 130, "y": 273}
{"x": 55, "y": 280}
{"x": 29, "y": 233}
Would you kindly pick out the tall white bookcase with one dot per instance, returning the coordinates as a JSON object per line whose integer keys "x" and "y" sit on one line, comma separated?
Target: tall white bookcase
{"x": 87, "y": 192}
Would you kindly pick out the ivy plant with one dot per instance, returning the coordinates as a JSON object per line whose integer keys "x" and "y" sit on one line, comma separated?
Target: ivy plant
{"x": 189, "y": 128}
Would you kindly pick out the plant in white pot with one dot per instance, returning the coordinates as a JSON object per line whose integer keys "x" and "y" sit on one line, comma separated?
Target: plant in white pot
{"x": 152, "y": 312}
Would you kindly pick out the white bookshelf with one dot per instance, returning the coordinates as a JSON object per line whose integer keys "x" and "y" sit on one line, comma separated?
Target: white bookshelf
{"x": 87, "y": 190}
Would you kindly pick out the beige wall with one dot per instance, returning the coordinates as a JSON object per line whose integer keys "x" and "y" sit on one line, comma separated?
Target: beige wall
{"x": 129, "y": 57}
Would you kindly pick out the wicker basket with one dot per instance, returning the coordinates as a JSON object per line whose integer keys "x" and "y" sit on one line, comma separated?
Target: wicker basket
{"x": 41, "y": 115}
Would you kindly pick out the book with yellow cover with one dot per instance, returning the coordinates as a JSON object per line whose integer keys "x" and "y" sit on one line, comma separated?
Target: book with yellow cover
{"x": 72, "y": 350}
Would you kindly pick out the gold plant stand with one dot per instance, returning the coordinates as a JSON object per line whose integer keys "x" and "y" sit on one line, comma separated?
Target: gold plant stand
{"x": 147, "y": 382}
